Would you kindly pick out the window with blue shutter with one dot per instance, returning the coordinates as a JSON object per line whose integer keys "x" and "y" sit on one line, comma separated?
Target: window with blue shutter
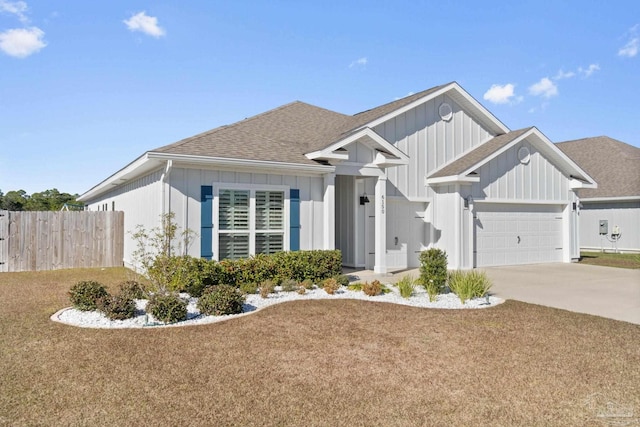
{"x": 206, "y": 221}
{"x": 294, "y": 214}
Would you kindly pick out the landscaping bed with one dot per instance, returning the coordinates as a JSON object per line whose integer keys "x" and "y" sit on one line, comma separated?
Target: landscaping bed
{"x": 254, "y": 302}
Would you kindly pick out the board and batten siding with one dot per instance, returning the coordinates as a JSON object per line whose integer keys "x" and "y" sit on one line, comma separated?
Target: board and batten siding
{"x": 505, "y": 177}
{"x": 430, "y": 142}
{"x": 141, "y": 201}
{"x": 184, "y": 191}
{"x": 624, "y": 214}
{"x": 359, "y": 153}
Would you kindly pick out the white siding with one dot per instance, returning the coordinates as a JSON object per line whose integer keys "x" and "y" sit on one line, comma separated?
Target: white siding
{"x": 141, "y": 201}
{"x": 185, "y": 198}
{"x": 505, "y": 177}
{"x": 406, "y": 229}
{"x": 447, "y": 224}
{"x": 430, "y": 142}
{"x": 359, "y": 153}
{"x": 625, "y": 215}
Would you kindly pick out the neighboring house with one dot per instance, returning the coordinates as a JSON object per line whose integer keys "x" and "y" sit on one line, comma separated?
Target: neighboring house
{"x": 434, "y": 169}
{"x": 616, "y": 167}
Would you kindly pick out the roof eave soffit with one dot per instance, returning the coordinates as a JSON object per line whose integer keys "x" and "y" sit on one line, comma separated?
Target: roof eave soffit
{"x": 368, "y": 137}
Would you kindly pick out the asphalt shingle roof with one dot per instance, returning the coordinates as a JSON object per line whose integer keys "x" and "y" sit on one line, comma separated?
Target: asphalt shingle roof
{"x": 614, "y": 165}
{"x": 478, "y": 154}
{"x": 284, "y": 134}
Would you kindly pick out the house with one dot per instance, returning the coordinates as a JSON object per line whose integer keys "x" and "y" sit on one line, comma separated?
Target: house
{"x": 616, "y": 202}
{"x": 434, "y": 169}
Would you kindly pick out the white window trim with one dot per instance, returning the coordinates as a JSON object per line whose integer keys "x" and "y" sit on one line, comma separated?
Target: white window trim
{"x": 252, "y": 188}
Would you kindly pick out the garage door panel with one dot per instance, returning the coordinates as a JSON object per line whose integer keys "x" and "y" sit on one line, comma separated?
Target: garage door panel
{"x": 507, "y": 234}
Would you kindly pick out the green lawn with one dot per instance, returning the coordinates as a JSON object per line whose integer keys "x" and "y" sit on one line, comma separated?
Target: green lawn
{"x": 608, "y": 259}
{"x": 312, "y": 363}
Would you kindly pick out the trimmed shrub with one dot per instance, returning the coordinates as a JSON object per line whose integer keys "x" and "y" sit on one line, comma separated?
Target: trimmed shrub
{"x": 342, "y": 279}
{"x": 183, "y": 274}
{"x": 314, "y": 265}
{"x": 289, "y": 285}
{"x": 267, "y": 287}
{"x": 229, "y": 272}
{"x": 167, "y": 308}
{"x": 433, "y": 271}
{"x": 372, "y": 289}
{"x": 330, "y": 286}
{"x": 117, "y": 307}
{"x": 200, "y": 275}
{"x": 132, "y": 289}
{"x": 469, "y": 284}
{"x": 406, "y": 285}
{"x": 186, "y": 273}
{"x": 248, "y": 288}
{"x": 84, "y": 295}
{"x": 220, "y": 300}
{"x": 259, "y": 268}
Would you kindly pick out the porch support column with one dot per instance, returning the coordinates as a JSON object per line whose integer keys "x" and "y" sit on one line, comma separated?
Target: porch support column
{"x": 380, "y": 265}
{"x": 329, "y": 204}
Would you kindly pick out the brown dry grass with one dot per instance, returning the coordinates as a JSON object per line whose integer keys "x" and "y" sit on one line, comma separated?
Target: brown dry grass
{"x": 311, "y": 363}
{"x": 607, "y": 259}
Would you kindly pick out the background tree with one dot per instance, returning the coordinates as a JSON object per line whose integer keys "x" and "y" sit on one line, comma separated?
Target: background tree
{"x": 48, "y": 200}
{"x": 14, "y": 200}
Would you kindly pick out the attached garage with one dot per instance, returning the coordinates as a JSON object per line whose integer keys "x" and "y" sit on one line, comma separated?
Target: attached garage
{"x": 510, "y": 234}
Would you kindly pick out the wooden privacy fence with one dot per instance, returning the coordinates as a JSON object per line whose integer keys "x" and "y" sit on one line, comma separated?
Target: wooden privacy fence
{"x": 32, "y": 241}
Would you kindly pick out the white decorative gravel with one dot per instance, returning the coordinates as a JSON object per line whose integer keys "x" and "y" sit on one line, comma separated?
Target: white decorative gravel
{"x": 254, "y": 302}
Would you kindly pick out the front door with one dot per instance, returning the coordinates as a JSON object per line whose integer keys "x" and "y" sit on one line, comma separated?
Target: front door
{"x": 365, "y": 224}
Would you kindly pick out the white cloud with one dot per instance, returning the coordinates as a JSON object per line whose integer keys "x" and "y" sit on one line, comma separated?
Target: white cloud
{"x": 564, "y": 75}
{"x": 400, "y": 97}
{"x": 18, "y": 8}
{"x": 145, "y": 24}
{"x": 631, "y": 48}
{"x": 359, "y": 62}
{"x": 22, "y": 42}
{"x": 501, "y": 94}
{"x": 545, "y": 88}
{"x": 586, "y": 72}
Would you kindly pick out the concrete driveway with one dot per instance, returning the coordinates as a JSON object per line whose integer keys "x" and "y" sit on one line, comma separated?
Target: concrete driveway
{"x": 601, "y": 291}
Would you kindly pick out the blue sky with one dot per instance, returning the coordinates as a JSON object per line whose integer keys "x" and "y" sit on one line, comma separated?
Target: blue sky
{"x": 88, "y": 86}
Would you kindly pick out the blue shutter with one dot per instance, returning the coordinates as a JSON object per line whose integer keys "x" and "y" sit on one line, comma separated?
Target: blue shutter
{"x": 206, "y": 221}
{"x": 294, "y": 214}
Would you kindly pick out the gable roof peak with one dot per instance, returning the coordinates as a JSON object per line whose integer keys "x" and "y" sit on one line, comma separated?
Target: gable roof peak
{"x": 397, "y": 103}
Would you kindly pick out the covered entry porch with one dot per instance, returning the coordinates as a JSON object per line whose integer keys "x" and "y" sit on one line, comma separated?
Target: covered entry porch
{"x": 371, "y": 229}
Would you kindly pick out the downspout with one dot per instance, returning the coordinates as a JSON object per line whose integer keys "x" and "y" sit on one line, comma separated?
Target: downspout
{"x": 163, "y": 181}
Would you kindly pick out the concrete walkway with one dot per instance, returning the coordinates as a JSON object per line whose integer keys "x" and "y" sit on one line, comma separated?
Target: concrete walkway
{"x": 601, "y": 291}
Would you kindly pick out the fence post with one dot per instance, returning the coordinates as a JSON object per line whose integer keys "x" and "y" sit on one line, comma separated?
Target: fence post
{"x": 4, "y": 241}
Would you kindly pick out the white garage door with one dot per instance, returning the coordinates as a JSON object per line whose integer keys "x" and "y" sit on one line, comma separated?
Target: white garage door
{"x": 518, "y": 234}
